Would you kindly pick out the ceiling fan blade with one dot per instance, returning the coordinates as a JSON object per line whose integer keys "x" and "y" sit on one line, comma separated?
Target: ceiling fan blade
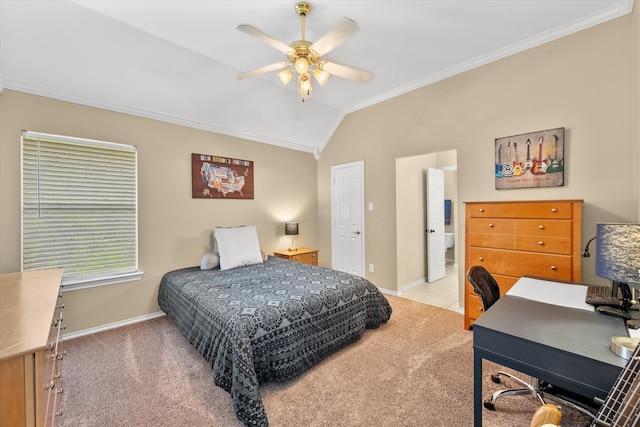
{"x": 261, "y": 35}
{"x": 262, "y": 70}
{"x": 335, "y": 36}
{"x": 347, "y": 72}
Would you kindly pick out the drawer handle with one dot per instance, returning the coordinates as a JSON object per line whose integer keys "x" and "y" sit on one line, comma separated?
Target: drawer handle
{"x": 541, "y": 227}
{"x": 481, "y": 308}
{"x": 59, "y": 413}
{"x": 481, "y": 259}
{"x": 60, "y": 306}
{"x": 490, "y": 225}
{"x": 50, "y": 385}
{"x": 59, "y": 391}
{"x": 554, "y": 268}
{"x": 57, "y": 376}
{"x": 481, "y": 209}
{"x": 554, "y": 210}
{"x": 541, "y": 243}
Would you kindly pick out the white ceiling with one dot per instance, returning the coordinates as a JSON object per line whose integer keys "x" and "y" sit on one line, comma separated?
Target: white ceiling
{"x": 177, "y": 61}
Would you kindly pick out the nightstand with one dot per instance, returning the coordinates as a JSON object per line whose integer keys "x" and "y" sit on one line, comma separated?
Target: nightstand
{"x": 303, "y": 255}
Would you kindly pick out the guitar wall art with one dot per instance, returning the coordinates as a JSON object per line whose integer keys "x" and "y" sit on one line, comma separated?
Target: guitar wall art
{"x": 533, "y": 159}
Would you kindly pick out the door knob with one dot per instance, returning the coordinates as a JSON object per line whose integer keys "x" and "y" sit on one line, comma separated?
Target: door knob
{"x": 356, "y": 232}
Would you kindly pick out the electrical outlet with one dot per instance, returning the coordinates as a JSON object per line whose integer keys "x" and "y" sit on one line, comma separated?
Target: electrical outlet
{"x": 371, "y": 269}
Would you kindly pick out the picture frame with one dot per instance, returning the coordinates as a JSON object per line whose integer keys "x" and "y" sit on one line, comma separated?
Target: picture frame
{"x": 542, "y": 166}
{"x": 216, "y": 177}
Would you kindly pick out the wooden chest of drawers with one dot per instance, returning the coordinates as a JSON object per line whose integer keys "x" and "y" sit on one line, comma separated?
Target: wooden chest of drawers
{"x": 303, "y": 255}
{"x": 30, "y": 348}
{"x": 514, "y": 239}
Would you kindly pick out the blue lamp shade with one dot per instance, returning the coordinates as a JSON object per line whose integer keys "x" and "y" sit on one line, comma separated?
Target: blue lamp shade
{"x": 618, "y": 252}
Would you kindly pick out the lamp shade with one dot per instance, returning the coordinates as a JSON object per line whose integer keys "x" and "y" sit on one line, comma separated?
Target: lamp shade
{"x": 618, "y": 252}
{"x": 285, "y": 76}
{"x": 291, "y": 228}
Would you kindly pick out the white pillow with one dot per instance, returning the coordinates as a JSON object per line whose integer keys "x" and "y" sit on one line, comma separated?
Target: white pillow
{"x": 237, "y": 246}
{"x": 213, "y": 238}
{"x": 209, "y": 261}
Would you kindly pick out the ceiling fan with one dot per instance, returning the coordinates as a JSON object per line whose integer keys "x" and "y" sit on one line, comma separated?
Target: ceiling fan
{"x": 305, "y": 57}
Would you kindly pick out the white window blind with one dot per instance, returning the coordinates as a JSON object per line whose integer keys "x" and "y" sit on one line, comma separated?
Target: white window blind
{"x": 79, "y": 201}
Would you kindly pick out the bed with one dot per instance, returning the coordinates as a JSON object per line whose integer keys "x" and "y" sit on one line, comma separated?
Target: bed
{"x": 268, "y": 321}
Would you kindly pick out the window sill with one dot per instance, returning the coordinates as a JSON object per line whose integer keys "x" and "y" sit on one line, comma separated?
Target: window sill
{"x": 77, "y": 284}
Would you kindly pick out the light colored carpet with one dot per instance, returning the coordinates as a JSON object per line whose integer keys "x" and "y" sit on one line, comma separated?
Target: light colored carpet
{"x": 415, "y": 370}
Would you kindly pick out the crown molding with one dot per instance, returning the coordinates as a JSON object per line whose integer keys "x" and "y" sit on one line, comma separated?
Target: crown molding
{"x": 623, "y": 7}
{"x": 20, "y": 86}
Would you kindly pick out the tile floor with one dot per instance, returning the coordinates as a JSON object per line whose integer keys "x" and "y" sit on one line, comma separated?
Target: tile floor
{"x": 442, "y": 293}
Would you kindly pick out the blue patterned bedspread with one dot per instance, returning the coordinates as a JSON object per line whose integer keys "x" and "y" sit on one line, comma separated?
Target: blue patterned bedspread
{"x": 268, "y": 322}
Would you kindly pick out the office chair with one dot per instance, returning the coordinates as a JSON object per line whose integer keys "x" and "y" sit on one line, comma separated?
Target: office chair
{"x": 489, "y": 292}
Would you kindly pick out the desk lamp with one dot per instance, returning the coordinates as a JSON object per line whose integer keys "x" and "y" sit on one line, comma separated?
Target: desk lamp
{"x": 618, "y": 255}
{"x": 291, "y": 229}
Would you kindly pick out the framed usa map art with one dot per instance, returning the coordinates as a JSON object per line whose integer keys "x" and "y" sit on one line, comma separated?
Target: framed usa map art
{"x": 215, "y": 177}
{"x": 533, "y": 159}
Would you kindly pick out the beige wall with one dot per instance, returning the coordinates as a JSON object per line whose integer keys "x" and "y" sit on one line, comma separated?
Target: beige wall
{"x": 174, "y": 228}
{"x": 584, "y": 82}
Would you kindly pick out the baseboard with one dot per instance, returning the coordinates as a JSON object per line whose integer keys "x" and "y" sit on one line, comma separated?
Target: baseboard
{"x": 113, "y": 325}
{"x": 412, "y": 284}
{"x": 389, "y": 292}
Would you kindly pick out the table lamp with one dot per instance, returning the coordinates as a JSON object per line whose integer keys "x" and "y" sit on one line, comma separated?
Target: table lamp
{"x": 291, "y": 229}
{"x": 618, "y": 254}
{"x": 618, "y": 259}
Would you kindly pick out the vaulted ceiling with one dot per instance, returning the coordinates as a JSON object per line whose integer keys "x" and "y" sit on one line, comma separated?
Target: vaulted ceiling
{"x": 177, "y": 61}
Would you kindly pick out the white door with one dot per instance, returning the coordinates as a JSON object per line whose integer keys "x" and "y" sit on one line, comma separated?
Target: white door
{"x": 435, "y": 225}
{"x": 347, "y": 218}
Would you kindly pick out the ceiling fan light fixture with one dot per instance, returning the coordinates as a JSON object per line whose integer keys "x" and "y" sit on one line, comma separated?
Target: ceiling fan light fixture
{"x": 321, "y": 76}
{"x": 304, "y": 87}
{"x": 285, "y": 76}
{"x": 305, "y": 84}
{"x": 301, "y": 65}
{"x": 304, "y": 58}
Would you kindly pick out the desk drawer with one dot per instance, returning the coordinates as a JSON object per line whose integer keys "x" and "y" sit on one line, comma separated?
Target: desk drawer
{"x": 518, "y": 264}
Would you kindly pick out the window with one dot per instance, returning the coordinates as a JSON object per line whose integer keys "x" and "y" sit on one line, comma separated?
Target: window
{"x": 80, "y": 209}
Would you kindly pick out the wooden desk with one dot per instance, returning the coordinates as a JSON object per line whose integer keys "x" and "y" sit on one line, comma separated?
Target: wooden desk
{"x": 567, "y": 347}
{"x": 30, "y": 354}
